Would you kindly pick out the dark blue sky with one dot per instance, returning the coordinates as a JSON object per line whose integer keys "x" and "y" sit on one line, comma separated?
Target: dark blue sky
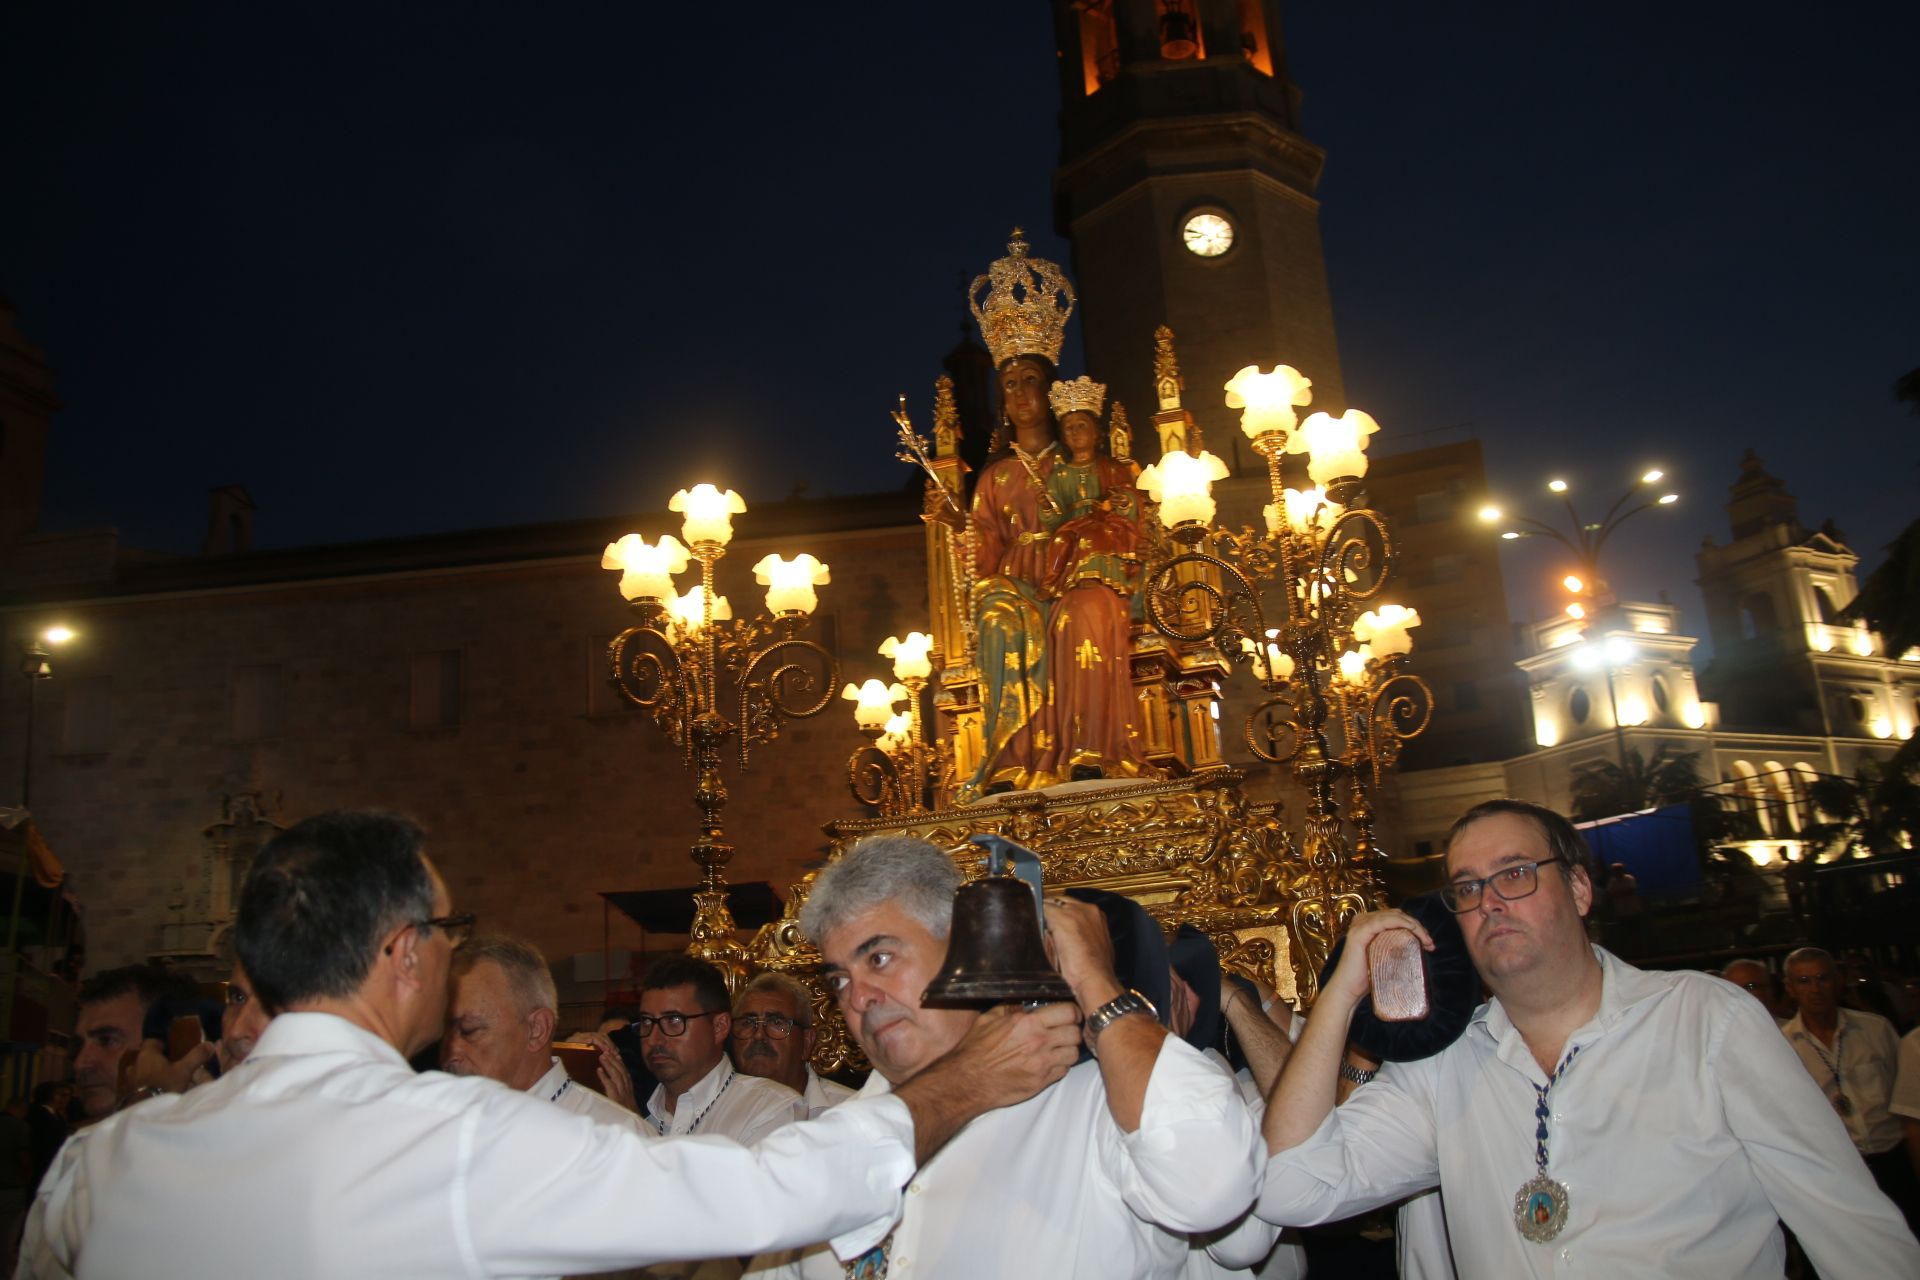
{"x": 420, "y": 267}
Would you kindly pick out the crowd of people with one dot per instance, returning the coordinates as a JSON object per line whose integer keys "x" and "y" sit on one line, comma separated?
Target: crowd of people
{"x": 1592, "y": 1118}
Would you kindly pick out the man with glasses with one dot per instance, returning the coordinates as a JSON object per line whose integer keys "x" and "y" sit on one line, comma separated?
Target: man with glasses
{"x": 684, "y": 1025}
{"x": 774, "y": 1037}
{"x": 1758, "y": 981}
{"x": 325, "y": 1155}
{"x": 1594, "y": 1118}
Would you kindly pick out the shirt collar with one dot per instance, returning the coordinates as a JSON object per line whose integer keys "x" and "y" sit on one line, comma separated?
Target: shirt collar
{"x": 1622, "y": 989}
{"x": 302, "y": 1033}
{"x": 697, "y": 1097}
{"x": 549, "y": 1084}
{"x": 1793, "y": 1028}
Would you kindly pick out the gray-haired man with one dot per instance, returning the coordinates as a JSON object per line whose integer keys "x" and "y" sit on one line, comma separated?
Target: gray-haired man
{"x": 774, "y": 1037}
{"x": 500, "y": 1025}
{"x": 1100, "y": 1175}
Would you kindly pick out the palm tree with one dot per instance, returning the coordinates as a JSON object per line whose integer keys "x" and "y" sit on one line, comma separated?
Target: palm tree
{"x": 1605, "y": 788}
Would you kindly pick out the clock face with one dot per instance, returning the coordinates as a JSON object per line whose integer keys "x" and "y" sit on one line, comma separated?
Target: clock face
{"x": 1207, "y": 234}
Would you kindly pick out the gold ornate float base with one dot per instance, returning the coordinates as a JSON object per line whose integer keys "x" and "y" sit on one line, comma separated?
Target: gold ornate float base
{"x": 1191, "y": 850}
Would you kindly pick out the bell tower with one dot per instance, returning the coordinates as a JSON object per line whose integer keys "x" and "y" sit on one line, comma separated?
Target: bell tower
{"x": 1187, "y": 192}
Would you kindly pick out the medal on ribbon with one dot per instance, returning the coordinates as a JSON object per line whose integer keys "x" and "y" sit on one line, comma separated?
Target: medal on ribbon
{"x": 1540, "y": 1205}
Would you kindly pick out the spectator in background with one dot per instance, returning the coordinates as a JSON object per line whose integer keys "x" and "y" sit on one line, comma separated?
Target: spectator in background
{"x": 1853, "y": 1057}
{"x": 113, "y": 1008}
{"x": 774, "y": 1037}
{"x": 684, "y": 1022}
{"x": 500, "y": 1025}
{"x": 1758, "y": 981}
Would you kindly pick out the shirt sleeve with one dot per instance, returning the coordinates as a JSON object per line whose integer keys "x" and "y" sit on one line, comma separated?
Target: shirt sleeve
{"x": 1194, "y": 1162}
{"x": 1800, "y": 1153}
{"x": 1377, "y": 1147}
{"x": 1906, "y": 1084}
{"x": 56, "y": 1220}
{"x": 544, "y": 1190}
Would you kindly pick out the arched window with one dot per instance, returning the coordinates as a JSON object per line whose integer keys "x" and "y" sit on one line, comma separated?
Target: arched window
{"x": 1099, "y": 45}
{"x": 1579, "y": 706}
{"x": 1783, "y": 798}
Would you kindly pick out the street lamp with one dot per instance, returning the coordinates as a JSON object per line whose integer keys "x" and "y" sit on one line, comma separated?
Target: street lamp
{"x": 688, "y": 652}
{"x": 36, "y": 664}
{"x": 1591, "y": 597}
{"x": 1339, "y": 701}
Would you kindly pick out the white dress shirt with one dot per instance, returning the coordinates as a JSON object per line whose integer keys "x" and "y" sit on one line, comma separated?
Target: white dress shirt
{"x": 823, "y": 1093}
{"x": 1248, "y": 1247}
{"x": 1906, "y": 1084}
{"x": 1680, "y": 1131}
{"x": 560, "y": 1089}
{"x": 1051, "y": 1187}
{"x": 1866, "y": 1049}
{"x": 324, "y": 1155}
{"x": 727, "y": 1104}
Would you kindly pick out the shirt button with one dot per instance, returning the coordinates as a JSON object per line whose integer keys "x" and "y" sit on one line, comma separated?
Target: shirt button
{"x": 1566, "y": 1255}
{"x": 914, "y": 1187}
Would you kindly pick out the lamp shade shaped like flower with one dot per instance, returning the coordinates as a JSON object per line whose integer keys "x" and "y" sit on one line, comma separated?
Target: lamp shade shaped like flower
{"x": 873, "y": 703}
{"x": 1183, "y": 486}
{"x": 1353, "y": 665}
{"x": 1267, "y": 399}
{"x": 1386, "y": 629}
{"x": 646, "y": 569}
{"x": 790, "y": 583}
{"x": 1306, "y": 511}
{"x": 1337, "y": 447}
{"x": 898, "y": 732}
{"x": 689, "y": 611}
{"x": 708, "y": 513}
{"x": 1279, "y": 663}
{"x": 910, "y": 656}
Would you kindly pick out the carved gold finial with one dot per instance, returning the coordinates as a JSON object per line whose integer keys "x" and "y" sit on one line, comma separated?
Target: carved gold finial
{"x": 1082, "y": 393}
{"x": 1025, "y": 307}
{"x": 946, "y": 418}
{"x": 1120, "y": 435}
{"x": 1166, "y": 370}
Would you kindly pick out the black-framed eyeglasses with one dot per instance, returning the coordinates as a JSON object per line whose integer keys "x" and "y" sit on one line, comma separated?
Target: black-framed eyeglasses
{"x": 458, "y": 928}
{"x": 1510, "y": 884}
{"x": 776, "y": 1026}
{"x": 673, "y": 1023}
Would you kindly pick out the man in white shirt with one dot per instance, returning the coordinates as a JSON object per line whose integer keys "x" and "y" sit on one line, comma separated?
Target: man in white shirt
{"x": 325, "y": 1155}
{"x": 1100, "y": 1176}
{"x": 500, "y": 1025}
{"x": 684, "y": 1024}
{"x": 1853, "y": 1057}
{"x": 1906, "y": 1096}
{"x": 774, "y": 1037}
{"x": 1594, "y": 1119}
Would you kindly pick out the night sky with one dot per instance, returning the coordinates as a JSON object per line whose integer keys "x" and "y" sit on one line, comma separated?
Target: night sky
{"x": 412, "y": 268}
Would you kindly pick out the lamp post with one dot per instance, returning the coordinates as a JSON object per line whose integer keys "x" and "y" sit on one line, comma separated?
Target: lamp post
{"x": 1592, "y": 598}
{"x": 686, "y": 653}
{"x": 1339, "y": 700}
{"x": 36, "y": 664}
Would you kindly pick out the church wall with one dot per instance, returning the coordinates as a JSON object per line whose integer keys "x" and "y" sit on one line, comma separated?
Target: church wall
{"x": 541, "y": 793}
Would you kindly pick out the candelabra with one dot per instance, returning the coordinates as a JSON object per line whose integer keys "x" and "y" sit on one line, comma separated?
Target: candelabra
{"x": 899, "y": 771}
{"x": 688, "y": 652}
{"x": 1339, "y": 701}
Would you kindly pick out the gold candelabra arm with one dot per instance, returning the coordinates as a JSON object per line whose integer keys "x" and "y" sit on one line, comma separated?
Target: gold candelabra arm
{"x": 875, "y": 779}
{"x": 648, "y": 672}
{"x": 790, "y": 679}
{"x": 1225, "y": 614}
{"x": 1354, "y": 561}
{"x": 1399, "y": 710}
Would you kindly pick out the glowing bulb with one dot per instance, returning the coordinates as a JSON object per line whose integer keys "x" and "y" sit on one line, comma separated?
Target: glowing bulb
{"x": 709, "y": 513}
{"x": 646, "y": 569}
{"x": 689, "y": 611}
{"x": 1576, "y": 610}
{"x": 1337, "y": 447}
{"x": 1490, "y": 513}
{"x": 1268, "y": 399}
{"x": 1619, "y": 650}
{"x": 1668, "y": 499}
{"x": 57, "y": 634}
{"x": 790, "y": 583}
{"x": 1510, "y": 535}
{"x": 1353, "y": 665}
{"x": 1694, "y": 717}
{"x": 873, "y": 702}
{"x": 910, "y": 661}
{"x": 1558, "y": 486}
{"x": 1573, "y": 584}
{"x": 1386, "y": 629}
{"x": 1586, "y": 657}
{"x": 1882, "y": 727}
{"x": 1652, "y": 477}
{"x": 1182, "y": 484}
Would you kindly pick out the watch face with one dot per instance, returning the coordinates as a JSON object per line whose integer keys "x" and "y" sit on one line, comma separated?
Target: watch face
{"x": 1207, "y": 234}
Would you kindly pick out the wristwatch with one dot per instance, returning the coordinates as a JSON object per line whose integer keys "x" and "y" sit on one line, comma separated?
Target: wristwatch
{"x": 1119, "y": 1007}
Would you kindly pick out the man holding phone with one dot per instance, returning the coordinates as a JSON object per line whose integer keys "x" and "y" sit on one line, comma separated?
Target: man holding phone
{"x": 1594, "y": 1118}
{"x": 500, "y": 1025}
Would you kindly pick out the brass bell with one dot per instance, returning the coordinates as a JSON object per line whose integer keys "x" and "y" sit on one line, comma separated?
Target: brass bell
{"x": 995, "y": 954}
